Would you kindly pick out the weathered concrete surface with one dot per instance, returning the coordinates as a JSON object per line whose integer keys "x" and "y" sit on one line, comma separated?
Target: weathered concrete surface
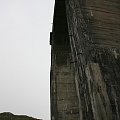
{"x": 85, "y": 67}
{"x": 10, "y": 116}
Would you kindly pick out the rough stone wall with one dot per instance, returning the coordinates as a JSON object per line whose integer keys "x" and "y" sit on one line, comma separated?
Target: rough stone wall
{"x": 88, "y": 48}
{"x": 66, "y": 97}
{"x": 94, "y": 27}
{"x": 64, "y": 102}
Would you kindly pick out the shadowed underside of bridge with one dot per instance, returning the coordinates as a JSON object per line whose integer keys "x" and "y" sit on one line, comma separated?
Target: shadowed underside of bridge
{"x": 85, "y": 60}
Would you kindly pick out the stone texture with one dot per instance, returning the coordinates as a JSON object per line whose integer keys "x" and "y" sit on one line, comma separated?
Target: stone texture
{"x": 85, "y": 67}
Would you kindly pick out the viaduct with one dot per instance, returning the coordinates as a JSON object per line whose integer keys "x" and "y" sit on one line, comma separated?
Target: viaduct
{"x": 85, "y": 60}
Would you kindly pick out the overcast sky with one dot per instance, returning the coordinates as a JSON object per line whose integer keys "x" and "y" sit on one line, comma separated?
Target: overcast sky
{"x": 25, "y": 56}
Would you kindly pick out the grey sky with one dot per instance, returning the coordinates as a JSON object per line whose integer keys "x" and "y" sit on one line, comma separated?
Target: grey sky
{"x": 25, "y": 56}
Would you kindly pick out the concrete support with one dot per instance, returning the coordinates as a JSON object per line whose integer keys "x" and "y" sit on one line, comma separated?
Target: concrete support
{"x": 85, "y": 70}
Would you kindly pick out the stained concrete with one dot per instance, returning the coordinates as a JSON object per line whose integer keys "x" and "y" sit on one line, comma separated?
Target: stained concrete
{"x": 85, "y": 67}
